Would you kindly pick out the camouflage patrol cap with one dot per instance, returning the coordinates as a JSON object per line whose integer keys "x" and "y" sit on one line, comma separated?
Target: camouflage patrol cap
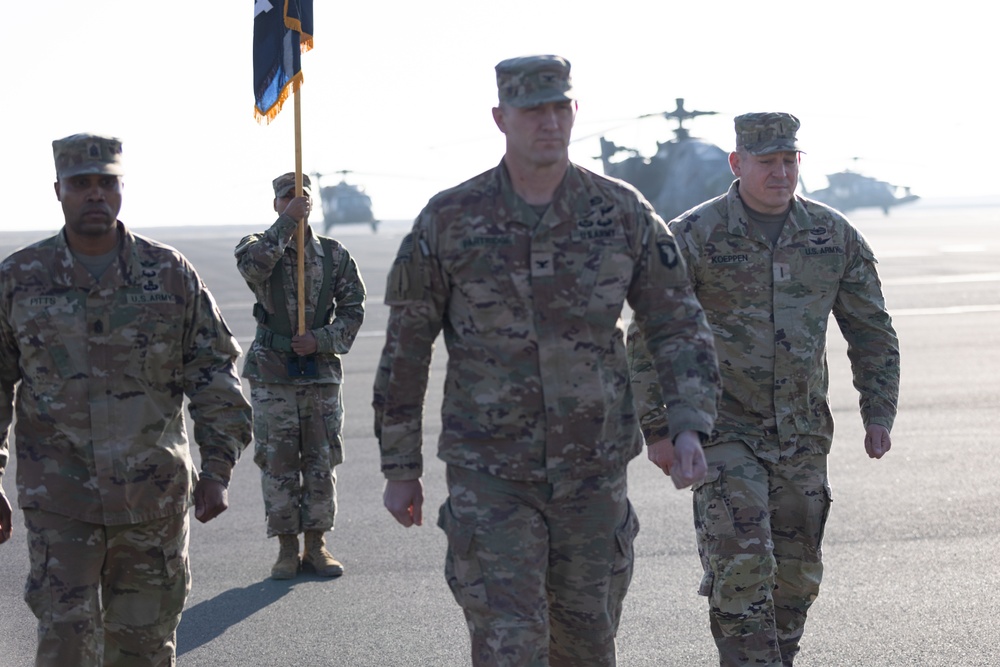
{"x": 87, "y": 154}
{"x": 532, "y": 80}
{"x": 286, "y": 183}
{"x": 763, "y": 133}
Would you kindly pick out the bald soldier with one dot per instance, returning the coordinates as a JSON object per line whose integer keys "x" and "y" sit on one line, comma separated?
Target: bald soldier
{"x": 769, "y": 267}
{"x": 526, "y": 269}
{"x": 105, "y": 333}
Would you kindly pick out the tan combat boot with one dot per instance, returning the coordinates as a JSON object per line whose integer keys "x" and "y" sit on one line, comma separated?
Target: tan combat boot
{"x": 287, "y": 565}
{"x": 316, "y": 556}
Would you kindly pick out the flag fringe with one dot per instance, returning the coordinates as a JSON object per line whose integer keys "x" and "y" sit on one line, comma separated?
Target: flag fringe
{"x": 271, "y": 113}
{"x": 293, "y": 23}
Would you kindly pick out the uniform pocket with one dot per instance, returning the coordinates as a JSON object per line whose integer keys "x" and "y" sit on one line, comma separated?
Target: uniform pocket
{"x": 333, "y": 417}
{"x": 462, "y": 569}
{"x": 36, "y": 588}
{"x": 152, "y": 591}
{"x": 713, "y": 514}
{"x": 259, "y": 397}
{"x": 154, "y": 358}
{"x": 621, "y": 573}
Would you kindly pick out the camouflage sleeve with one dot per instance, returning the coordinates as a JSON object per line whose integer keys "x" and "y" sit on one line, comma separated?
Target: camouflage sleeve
{"x": 9, "y": 375}
{"x": 677, "y": 337}
{"x": 349, "y": 312}
{"x": 417, "y": 295}
{"x": 872, "y": 345}
{"x": 221, "y": 414}
{"x": 257, "y": 254}
{"x": 645, "y": 388}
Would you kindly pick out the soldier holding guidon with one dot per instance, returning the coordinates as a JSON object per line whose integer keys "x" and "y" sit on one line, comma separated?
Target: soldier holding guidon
{"x": 296, "y": 379}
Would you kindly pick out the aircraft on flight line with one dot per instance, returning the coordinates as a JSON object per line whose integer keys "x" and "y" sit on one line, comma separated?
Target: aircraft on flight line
{"x": 686, "y": 171}
{"x": 848, "y": 190}
{"x": 344, "y": 203}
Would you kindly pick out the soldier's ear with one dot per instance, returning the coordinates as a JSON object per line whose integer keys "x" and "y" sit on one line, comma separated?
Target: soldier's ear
{"x": 499, "y": 119}
{"x": 56, "y": 188}
{"x": 734, "y": 163}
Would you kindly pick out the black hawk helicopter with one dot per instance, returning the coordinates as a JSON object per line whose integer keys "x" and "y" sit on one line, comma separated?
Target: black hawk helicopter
{"x": 848, "y": 190}
{"x": 344, "y": 203}
{"x": 684, "y": 172}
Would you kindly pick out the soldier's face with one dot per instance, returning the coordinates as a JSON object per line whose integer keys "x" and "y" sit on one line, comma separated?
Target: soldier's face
{"x": 537, "y": 136}
{"x": 90, "y": 203}
{"x": 767, "y": 182}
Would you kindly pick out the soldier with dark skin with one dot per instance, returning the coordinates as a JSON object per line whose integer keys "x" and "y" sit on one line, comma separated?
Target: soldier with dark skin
{"x": 770, "y": 267}
{"x": 525, "y": 269}
{"x": 104, "y": 333}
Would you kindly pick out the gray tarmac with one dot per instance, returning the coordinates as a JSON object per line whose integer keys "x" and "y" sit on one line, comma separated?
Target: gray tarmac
{"x": 911, "y": 549}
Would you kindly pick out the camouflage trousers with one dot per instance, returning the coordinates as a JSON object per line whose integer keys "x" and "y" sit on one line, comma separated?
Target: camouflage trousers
{"x": 760, "y": 530}
{"x": 298, "y": 443}
{"x": 540, "y": 570}
{"x": 106, "y": 595}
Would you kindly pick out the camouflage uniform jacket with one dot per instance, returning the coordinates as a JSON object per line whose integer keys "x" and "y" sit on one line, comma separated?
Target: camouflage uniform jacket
{"x": 104, "y": 367}
{"x": 769, "y": 309}
{"x": 537, "y": 383}
{"x": 257, "y": 256}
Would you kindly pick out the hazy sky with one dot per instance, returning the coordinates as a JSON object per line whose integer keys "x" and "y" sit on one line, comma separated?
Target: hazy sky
{"x": 400, "y": 92}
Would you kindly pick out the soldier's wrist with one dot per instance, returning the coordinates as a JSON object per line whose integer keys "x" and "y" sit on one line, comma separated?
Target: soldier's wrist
{"x": 216, "y": 472}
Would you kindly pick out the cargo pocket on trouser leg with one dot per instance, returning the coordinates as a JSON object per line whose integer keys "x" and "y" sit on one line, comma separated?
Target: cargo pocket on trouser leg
{"x": 62, "y": 587}
{"x": 738, "y": 567}
{"x": 333, "y": 415}
{"x": 462, "y": 568}
{"x": 148, "y": 580}
{"x": 713, "y": 522}
{"x": 261, "y": 436}
{"x": 624, "y": 563}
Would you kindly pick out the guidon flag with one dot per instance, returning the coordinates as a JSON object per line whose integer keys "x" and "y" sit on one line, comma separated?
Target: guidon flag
{"x": 282, "y": 31}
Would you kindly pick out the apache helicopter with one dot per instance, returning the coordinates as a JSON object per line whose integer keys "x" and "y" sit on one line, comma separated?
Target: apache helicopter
{"x": 683, "y": 173}
{"x": 849, "y": 190}
{"x": 344, "y": 204}
{"x": 686, "y": 171}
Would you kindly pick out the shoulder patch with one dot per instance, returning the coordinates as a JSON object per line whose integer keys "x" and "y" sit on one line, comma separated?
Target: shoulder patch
{"x": 406, "y": 277}
{"x": 668, "y": 251}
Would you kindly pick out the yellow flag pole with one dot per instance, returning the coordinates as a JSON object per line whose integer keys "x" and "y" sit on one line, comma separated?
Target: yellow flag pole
{"x": 297, "y": 93}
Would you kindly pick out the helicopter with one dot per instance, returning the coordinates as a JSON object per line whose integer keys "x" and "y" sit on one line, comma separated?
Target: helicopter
{"x": 849, "y": 190}
{"x": 344, "y": 203}
{"x": 687, "y": 171}
{"x": 684, "y": 172}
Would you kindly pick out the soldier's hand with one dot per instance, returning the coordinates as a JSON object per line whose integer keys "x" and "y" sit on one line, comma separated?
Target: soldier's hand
{"x": 661, "y": 453}
{"x": 210, "y": 499}
{"x": 6, "y": 518}
{"x": 689, "y": 464}
{"x": 298, "y": 208}
{"x": 877, "y": 441}
{"x": 405, "y": 501}
{"x": 304, "y": 344}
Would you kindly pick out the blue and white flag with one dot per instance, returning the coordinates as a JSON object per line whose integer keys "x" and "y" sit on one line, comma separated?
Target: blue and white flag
{"x": 282, "y": 31}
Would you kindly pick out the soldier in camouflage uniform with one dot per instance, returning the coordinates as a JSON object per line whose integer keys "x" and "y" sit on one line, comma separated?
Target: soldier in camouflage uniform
{"x": 769, "y": 267}
{"x": 526, "y": 268}
{"x": 106, "y": 332}
{"x": 296, "y": 380}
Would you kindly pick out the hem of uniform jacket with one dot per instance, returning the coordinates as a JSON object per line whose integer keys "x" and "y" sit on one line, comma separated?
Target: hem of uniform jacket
{"x": 115, "y": 519}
